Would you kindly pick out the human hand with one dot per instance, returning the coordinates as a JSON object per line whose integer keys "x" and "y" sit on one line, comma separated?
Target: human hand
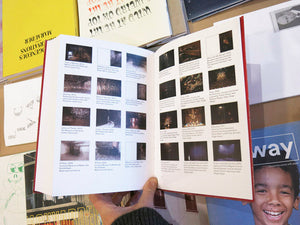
{"x": 107, "y": 204}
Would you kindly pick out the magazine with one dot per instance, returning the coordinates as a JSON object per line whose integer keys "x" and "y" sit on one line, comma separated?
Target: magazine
{"x": 275, "y": 148}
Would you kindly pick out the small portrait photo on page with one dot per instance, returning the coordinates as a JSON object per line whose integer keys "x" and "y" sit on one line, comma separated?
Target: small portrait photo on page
{"x": 286, "y": 18}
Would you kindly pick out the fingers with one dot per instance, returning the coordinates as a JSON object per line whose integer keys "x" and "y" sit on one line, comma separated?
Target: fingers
{"x": 135, "y": 196}
{"x": 118, "y": 197}
{"x": 146, "y": 199}
{"x": 100, "y": 200}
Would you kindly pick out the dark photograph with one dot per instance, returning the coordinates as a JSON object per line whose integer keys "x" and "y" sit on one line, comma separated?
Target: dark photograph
{"x": 224, "y": 113}
{"x": 136, "y": 120}
{"x": 79, "y": 53}
{"x": 169, "y": 151}
{"x": 191, "y": 84}
{"x": 108, "y": 87}
{"x": 189, "y": 52}
{"x": 195, "y": 151}
{"x": 73, "y": 116}
{"x": 227, "y": 150}
{"x": 226, "y": 42}
{"x": 223, "y": 77}
{"x": 74, "y": 150}
{"x": 141, "y": 91}
{"x": 193, "y": 117}
{"x": 108, "y": 150}
{"x": 190, "y": 203}
{"x": 106, "y": 118}
{"x": 167, "y": 89}
{"x": 136, "y": 62}
{"x": 140, "y": 151}
{"x": 159, "y": 199}
{"x": 168, "y": 120}
{"x": 286, "y": 18}
{"x": 77, "y": 84}
{"x": 166, "y": 60}
{"x": 37, "y": 203}
{"x": 115, "y": 58}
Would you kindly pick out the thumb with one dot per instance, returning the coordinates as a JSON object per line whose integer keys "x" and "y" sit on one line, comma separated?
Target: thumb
{"x": 146, "y": 199}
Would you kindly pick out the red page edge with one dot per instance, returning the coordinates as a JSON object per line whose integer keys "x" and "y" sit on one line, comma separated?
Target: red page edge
{"x": 38, "y": 131}
{"x": 247, "y": 98}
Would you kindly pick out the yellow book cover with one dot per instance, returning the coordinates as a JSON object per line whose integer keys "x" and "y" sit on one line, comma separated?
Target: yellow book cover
{"x": 26, "y": 26}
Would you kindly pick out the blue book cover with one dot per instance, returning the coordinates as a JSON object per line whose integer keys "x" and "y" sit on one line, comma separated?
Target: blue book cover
{"x": 276, "y": 200}
{"x": 198, "y": 9}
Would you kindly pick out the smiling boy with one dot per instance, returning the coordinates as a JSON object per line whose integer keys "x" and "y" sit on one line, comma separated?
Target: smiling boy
{"x": 276, "y": 189}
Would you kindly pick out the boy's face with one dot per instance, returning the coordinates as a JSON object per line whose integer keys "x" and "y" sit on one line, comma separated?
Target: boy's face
{"x": 274, "y": 197}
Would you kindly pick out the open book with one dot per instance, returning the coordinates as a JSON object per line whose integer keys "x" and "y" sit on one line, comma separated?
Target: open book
{"x": 112, "y": 115}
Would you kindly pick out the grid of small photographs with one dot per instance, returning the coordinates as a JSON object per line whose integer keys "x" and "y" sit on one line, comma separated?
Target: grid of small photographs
{"x": 193, "y": 115}
{"x": 107, "y": 84}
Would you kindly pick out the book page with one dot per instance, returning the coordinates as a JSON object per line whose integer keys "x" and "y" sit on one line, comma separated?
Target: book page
{"x": 102, "y": 126}
{"x": 202, "y": 119}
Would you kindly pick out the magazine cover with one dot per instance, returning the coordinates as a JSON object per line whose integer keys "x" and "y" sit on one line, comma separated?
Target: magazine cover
{"x": 276, "y": 180}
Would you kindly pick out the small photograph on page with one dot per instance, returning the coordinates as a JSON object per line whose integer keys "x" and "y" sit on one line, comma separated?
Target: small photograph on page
{"x": 167, "y": 89}
{"x": 140, "y": 151}
{"x": 286, "y": 18}
{"x": 74, "y": 116}
{"x": 166, "y": 60}
{"x": 193, "y": 117}
{"x": 169, "y": 151}
{"x": 224, "y": 113}
{"x": 74, "y": 150}
{"x": 79, "y": 53}
{"x": 136, "y": 120}
{"x": 108, "y": 57}
{"x": 106, "y": 118}
{"x": 136, "y": 63}
{"x": 135, "y": 151}
{"x": 223, "y": 77}
{"x": 189, "y": 52}
{"x": 77, "y": 84}
{"x": 190, "y": 203}
{"x": 159, "y": 199}
{"x": 191, "y": 84}
{"x": 227, "y": 150}
{"x": 108, "y": 87}
{"x": 195, "y": 151}
{"x": 115, "y": 58}
{"x": 107, "y": 150}
{"x": 141, "y": 91}
{"x": 225, "y": 40}
{"x": 168, "y": 120}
